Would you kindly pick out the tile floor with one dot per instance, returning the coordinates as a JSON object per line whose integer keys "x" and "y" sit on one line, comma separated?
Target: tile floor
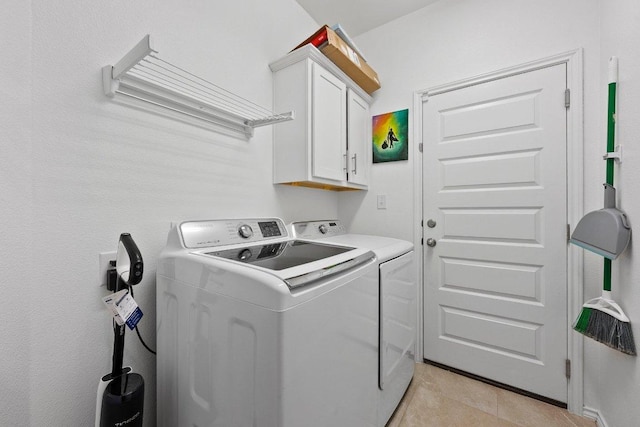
{"x": 439, "y": 398}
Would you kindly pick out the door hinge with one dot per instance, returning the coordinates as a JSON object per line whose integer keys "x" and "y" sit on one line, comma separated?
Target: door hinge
{"x": 568, "y": 232}
{"x": 422, "y": 241}
{"x": 420, "y": 147}
{"x": 567, "y": 98}
{"x": 567, "y": 368}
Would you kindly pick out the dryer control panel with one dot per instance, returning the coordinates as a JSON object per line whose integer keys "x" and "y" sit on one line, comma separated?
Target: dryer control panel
{"x": 202, "y": 234}
{"x": 316, "y": 229}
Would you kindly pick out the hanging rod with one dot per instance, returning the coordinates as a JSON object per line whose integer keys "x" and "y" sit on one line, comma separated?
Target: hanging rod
{"x": 142, "y": 75}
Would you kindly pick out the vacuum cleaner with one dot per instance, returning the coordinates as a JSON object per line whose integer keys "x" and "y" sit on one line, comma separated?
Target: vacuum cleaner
{"x": 120, "y": 398}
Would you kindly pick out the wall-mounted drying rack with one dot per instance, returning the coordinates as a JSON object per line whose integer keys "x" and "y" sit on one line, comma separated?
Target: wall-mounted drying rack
{"x": 143, "y": 76}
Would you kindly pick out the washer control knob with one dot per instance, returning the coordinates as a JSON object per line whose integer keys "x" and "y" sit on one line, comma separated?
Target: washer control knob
{"x": 245, "y": 231}
{"x": 244, "y": 255}
{"x": 323, "y": 228}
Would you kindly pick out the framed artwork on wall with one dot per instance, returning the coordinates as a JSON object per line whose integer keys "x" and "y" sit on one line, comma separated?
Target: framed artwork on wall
{"x": 391, "y": 136}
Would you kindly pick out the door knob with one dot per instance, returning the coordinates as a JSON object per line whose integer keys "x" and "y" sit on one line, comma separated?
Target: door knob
{"x": 431, "y": 223}
{"x": 431, "y": 242}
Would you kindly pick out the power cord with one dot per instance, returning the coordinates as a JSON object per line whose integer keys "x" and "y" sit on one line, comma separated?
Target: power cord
{"x": 137, "y": 331}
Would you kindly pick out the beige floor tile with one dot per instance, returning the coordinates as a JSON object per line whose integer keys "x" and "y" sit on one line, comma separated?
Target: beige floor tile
{"x": 457, "y": 387}
{"x": 429, "y": 408}
{"x": 527, "y": 412}
{"x": 423, "y": 370}
{"x": 439, "y": 398}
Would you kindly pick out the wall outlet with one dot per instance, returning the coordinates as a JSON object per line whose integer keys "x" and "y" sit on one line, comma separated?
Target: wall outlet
{"x": 382, "y": 201}
{"x": 104, "y": 259}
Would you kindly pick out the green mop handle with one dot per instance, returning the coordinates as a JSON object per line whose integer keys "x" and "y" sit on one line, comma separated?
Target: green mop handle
{"x": 611, "y": 131}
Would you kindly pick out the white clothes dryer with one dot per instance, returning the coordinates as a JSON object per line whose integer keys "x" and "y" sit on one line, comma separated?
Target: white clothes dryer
{"x": 397, "y": 305}
{"x": 258, "y": 329}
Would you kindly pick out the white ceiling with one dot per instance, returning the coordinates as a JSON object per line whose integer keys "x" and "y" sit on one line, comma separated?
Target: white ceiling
{"x": 360, "y": 16}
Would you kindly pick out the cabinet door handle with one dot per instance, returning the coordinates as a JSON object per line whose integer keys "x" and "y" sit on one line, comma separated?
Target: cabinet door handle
{"x": 346, "y": 163}
{"x": 355, "y": 164}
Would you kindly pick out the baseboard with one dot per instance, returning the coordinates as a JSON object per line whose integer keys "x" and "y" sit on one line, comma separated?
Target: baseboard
{"x": 594, "y": 414}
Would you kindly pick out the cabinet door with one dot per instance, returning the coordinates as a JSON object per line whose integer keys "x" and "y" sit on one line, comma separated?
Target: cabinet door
{"x": 358, "y": 138}
{"x": 329, "y": 130}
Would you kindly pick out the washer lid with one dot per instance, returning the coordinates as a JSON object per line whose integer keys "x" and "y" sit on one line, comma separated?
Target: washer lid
{"x": 297, "y": 262}
{"x": 282, "y": 255}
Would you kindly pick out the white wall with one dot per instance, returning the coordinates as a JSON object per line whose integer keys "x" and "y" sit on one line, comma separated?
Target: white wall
{"x": 612, "y": 383}
{"x": 15, "y": 213}
{"x": 78, "y": 169}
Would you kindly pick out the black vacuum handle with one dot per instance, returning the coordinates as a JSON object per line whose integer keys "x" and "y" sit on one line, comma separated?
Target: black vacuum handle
{"x": 136, "y": 265}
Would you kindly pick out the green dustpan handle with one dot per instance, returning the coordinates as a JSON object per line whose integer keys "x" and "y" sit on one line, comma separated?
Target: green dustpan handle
{"x": 611, "y": 132}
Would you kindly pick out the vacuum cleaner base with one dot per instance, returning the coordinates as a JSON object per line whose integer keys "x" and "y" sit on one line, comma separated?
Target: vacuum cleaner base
{"x": 120, "y": 400}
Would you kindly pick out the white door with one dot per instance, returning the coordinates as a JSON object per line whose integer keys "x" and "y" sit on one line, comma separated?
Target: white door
{"x": 358, "y": 138}
{"x": 329, "y": 125}
{"x": 494, "y": 171}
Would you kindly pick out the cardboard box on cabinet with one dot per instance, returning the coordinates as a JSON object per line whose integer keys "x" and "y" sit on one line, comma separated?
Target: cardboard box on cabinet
{"x": 341, "y": 54}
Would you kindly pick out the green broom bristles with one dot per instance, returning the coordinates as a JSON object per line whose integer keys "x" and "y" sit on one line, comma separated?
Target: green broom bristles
{"x": 606, "y": 329}
{"x": 583, "y": 320}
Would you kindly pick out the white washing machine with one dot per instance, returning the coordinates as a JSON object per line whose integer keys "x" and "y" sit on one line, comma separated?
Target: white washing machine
{"x": 258, "y": 329}
{"x": 397, "y": 305}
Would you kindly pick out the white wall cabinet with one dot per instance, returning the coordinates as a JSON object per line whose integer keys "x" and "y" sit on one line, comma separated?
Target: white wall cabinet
{"x": 359, "y": 138}
{"x": 328, "y": 144}
{"x": 328, "y": 125}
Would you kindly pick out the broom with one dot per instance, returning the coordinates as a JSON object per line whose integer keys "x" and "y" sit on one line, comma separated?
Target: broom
{"x": 604, "y": 321}
{"x": 601, "y": 318}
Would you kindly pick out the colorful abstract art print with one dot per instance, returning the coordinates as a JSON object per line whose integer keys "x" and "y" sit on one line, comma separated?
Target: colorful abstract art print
{"x": 391, "y": 136}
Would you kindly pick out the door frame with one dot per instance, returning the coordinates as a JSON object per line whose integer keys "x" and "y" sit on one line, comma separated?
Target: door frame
{"x": 575, "y": 200}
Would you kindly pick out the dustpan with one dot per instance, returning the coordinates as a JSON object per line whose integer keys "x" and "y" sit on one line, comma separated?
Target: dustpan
{"x": 606, "y": 231}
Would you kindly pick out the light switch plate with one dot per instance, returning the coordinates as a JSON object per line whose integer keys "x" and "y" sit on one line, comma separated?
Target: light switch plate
{"x": 382, "y": 201}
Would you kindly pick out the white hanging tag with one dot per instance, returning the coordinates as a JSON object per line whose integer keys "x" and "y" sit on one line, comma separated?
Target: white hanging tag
{"x": 110, "y": 301}
{"x": 124, "y": 308}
